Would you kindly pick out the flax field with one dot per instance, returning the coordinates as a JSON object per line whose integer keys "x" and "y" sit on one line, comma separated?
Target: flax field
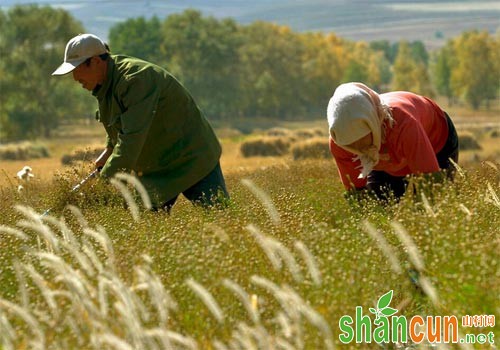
{"x": 276, "y": 269}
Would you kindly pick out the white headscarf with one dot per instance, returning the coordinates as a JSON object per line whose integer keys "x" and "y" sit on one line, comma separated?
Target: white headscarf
{"x": 353, "y": 112}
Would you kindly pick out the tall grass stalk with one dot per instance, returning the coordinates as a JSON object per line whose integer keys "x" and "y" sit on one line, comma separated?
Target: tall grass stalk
{"x": 493, "y": 195}
{"x": 207, "y": 299}
{"x": 277, "y": 253}
{"x": 132, "y": 180}
{"x": 34, "y": 222}
{"x": 34, "y": 326}
{"x": 411, "y": 248}
{"x": 310, "y": 261}
{"x": 384, "y": 246}
{"x": 129, "y": 198}
{"x": 98, "y": 278}
{"x": 244, "y": 298}
{"x": 428, "y": 209}
{"x": 265, "y": 200}
{"x": 14, "y": 232}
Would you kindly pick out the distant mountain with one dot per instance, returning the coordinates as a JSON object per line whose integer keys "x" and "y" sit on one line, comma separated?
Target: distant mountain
{"x": 432, "y": 22}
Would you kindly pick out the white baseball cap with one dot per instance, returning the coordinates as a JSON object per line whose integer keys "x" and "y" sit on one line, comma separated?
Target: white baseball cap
{"x": 78, "y": 49}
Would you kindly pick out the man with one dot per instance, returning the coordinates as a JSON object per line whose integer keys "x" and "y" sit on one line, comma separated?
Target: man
{"x": 153, "y": 125}
{"x": 377, "y": 140}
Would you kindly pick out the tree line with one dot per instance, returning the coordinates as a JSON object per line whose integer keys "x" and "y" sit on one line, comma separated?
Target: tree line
{"x": 232, "y": 70}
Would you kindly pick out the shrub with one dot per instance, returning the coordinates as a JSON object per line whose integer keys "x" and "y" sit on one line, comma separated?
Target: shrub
{"x": 310, "y": 133}
{"x": 278, "y": 132}
{"x": 23, "y": 151}
{"x": 494, "y": 134}
{"x": 313, "y": 148}
{"x": 226, "y": 133}
{"x": 265, "y": 146}
{"x": 467, "y": 141}
{"x": 85, "y": 154}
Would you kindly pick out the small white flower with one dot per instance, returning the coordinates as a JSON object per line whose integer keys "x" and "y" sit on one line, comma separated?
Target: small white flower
{"x": 25, "y": 173}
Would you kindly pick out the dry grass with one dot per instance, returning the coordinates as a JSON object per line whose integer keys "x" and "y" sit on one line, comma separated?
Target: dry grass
{"x": 276, "y": 269}
{"x": 265, "y": 146}
{"x": 316, "y": 147}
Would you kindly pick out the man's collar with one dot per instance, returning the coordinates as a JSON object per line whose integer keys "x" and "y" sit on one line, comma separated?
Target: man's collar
{"x": 100, "y": 90}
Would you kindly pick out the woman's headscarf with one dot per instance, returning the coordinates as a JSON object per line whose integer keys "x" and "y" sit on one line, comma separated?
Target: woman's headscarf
{"x": 353, "y": 112}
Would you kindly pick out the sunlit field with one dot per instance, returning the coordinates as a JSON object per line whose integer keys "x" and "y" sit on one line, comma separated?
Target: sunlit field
{"x": 277, "y": 269}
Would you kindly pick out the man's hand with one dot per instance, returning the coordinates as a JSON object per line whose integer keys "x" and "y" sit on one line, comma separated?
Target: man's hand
{"x": 103, "y": 157}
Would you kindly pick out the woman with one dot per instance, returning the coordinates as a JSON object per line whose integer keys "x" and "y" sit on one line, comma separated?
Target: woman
{"x": 377, "y": 140}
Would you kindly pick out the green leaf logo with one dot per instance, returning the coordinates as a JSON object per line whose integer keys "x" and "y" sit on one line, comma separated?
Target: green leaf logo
{"x": 383, "y": 309}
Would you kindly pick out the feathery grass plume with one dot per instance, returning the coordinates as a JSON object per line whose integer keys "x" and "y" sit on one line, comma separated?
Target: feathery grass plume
{"x": 14, "y": 232}
{"x": 160, "y": 298}
{"x": 283, "y": 344}
{"x": 257, "y": 337}
{"x": 80, "y": 258}
{"x": 7, "y": 333}
{"x": 428, "y": 289}
{"x": 493, "y": 195}
{"x": 42, "y": 285}
{"x": 244, "y": 298}
{"x": 243, "y": 336}
{"x": 77, "y": 213}
{"x": 162, "y": 337}
{"x": 284, "y": 322}
{"x": 102, "y": 295}
{"x": 460, "y": 171}
{"x": 289, "y": 259}
{"x": 70, "y": 244}
{"x": 114, "y": 341}
{"x": 287, "y": 306}
{"x": 130, "y": 323}
{"x": 294, "y": 306}
{"x": 427, "y": 206}
{"x": 21, "y": 282}
{"x": 130, "y": 308}
{"x": 33, "y": 222}
{"x": 491, "y": 165}
{"x": 310, "y": 261}
{"x": 277, "y": 253}
{"x": 129, "y": 198}
{"x": 218, "y": 345}
{"x": 134, "y": 181}
{"x": 265, "y": 200}
{"x": 264, "y": 338}
{"x": 34, "y": 343}
{"x": 67, "y": 234}
{"x": 88, "y": 250}
{"x": 207, "y": 299}
{"x": 268, "y": 249}
{"x": 384, "y": 246}
{"x": 100, "y": 235}
{"x": 185, "y": 341}
{"x": 411, "y": 248}
{"x": 465, "y": 210}
{"x": 80, "y": 287}
{"x": 312, "y": 316}
{"x": 273, "y": 288}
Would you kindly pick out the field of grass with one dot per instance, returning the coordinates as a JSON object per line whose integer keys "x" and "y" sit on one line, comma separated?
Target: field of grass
{"x": 277, "y": 269}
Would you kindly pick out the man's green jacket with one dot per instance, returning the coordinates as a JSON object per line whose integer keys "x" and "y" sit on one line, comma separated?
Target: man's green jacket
{"x": 155, "y": 128}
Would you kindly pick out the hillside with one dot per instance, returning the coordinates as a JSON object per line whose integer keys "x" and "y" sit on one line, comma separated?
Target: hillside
{"x": 429, "y": 21}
